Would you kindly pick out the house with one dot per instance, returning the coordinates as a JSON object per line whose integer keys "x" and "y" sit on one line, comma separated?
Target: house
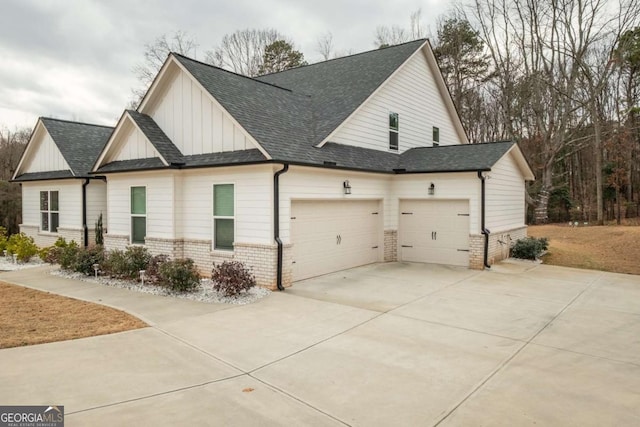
{"x": 316, "y": 169}
{"x": 59, "y": 196}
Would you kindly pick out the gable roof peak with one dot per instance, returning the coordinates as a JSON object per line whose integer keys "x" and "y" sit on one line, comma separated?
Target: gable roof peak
{"x": 73, "y": 122}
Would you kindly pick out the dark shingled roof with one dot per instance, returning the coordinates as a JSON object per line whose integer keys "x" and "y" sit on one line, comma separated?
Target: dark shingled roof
{"x": 339, "y": 86}
{"x": 79, "y": 143}
{"x": 157, "y": 137}
{"x": 40, "y": 176}
{"x": 130, "y": 165}
{"x": 454, "y": 158}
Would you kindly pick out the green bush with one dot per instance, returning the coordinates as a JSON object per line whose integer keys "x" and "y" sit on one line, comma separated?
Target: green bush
{"x": 61, "y": 243}
{"x": 86, "y": 258}
{"x": 231, "y": 278}
{"x": 3, "y": 239}
{"x": 67, "y": 255}
{"x": 23, "y": 246}
{"x": 126, "y": 264}
{"x": 179, "y": 275}
{"x": 529, "y": 248}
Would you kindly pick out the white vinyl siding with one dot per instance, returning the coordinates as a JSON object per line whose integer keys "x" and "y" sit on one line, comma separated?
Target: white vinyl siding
{"x": 414, "y": 95}
{"x": 69, "y": 199}
{"x": 159, "y": 208}
{"x": 194, "y": 122}
{"x": 96, "y": 203}
{"x": 132, "y": 144}
{"x": 505, "y": 197}
{"x": 45, "y": 155}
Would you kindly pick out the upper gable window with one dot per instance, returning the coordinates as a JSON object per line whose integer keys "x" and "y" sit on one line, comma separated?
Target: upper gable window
{"x": 436, "y": 136}
{"x": 394, "y": 126}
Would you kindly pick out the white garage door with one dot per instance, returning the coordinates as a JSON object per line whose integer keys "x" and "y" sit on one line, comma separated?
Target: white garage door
{"x": 329, "y": 236}
{"x": 434, "y": 231}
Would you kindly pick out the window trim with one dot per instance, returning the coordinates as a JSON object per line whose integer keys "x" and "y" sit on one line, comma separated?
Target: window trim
{"x": 214, "y": 217}
{"x": 395, "y": 131}
{"x": 49, "y": 211}
{"x": 132, "y": 215}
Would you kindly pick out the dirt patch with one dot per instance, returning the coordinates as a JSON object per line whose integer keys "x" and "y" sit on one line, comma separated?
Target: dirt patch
{"x": 31, "y": 317}
{"x": 613, "y": 248}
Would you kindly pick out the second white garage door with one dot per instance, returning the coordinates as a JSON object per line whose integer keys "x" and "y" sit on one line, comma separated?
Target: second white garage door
{"x": 434, "y": 231}
{"x": 329, "y": 236}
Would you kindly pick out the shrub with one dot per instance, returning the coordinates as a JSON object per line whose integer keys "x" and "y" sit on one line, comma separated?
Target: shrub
{"x": 23, "y": 246}
{"x": 126, "y": 264}
{"x": 85, "y": 259}
{"x": 3, "y": 239}
{"x": 153, "y": 269}
{"x": 61, "y": 243}
{"x": 137, "y": 258}
{"x": 43, "y": 253}
{"x": 231, "y": 278}
{"x": 179, "y": 275}
{"x": 529, "y": 248}
{"x": 52, "y": 254}
{"x": 68, "y": 255}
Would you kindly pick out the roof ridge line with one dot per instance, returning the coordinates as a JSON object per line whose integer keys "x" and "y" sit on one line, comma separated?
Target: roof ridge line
{"x": 461, "y": 145}
{"x": 75, "y": 122}
{"x": 344, "y": 57}
{"x": 234, "y": 73}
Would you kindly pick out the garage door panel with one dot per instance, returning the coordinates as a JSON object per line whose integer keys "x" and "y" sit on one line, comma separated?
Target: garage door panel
{"x": 330, "y": 236}
{"x": 434, "y": 231}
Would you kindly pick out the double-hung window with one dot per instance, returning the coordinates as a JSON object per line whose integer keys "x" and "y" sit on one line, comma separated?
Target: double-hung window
{"x": 394, "y": 125}
{"x": 223, "y": 217}
{"x": 49, "y": 211}
{"x": 138, "y": 214}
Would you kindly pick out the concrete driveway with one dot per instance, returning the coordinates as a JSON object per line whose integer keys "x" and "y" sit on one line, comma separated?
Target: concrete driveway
{"x": 402, "y": 344}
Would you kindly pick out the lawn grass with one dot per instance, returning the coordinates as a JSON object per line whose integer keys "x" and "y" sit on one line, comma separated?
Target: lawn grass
{"x": 614, "y": 248}
{"x": 28, "y": 316}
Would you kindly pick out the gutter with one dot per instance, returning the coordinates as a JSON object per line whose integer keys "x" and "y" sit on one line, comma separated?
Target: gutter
{"x": 485, "y": 232}
{"x": 276, "y": 222}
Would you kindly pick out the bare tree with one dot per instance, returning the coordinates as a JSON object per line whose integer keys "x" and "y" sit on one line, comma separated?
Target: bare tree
{"x": 325, "y": 46}
{"x": 395, "y": 34}
{"x": 156, "y": 53}
{"x": 243, "y": 51}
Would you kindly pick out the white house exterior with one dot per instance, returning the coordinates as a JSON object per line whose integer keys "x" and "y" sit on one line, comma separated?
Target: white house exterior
{"x": 316, "y": 169}
{"x": 59, "y": 197}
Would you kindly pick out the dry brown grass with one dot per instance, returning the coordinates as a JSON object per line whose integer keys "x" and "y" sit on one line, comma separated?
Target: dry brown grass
{"x": 613, "y": 248}
{"x": 28, "y": 316}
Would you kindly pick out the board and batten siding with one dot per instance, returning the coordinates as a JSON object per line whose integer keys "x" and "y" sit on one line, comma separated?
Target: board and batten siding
{"x": 505, "y": 196}
{"x": 303, "y": 183}
{"x": 194, "y": 122}
{"x": 253, "y": 190}
{"x": 47, "y": 156}
{"x": 96, "y": 203}
{"x": 453, "y": 186}
{"x": 69, "y": 202}
{"x": 133, "y": 145}
{"x": 414, "y": 95}
{"x": 160, "y": 211}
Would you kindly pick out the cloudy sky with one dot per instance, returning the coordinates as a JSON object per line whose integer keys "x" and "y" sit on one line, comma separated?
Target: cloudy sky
{"x": 73, "y": 59}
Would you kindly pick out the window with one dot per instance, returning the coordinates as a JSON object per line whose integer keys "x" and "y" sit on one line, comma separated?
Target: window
{"x": 223, "y": 217}
{"x": 393, "y": 131}
{"x": 436, "y": 136}
{"x": 138, "y": 214}
{"x": 49, "y": 211}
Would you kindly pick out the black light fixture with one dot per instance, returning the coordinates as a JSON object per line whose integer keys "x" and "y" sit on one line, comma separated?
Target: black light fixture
{"x": 347, "y": 187}
{"x": 432, "y": 189}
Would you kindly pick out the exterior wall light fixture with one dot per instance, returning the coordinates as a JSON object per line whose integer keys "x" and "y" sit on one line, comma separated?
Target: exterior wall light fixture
{"x": 432, "y": 189}
{"x": 346, "y": 187}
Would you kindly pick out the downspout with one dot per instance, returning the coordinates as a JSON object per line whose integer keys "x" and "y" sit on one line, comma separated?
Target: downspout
{"x": 85, "y": 229}
{"x": 276, "y": 222}
{"x": 485, "y": 232}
